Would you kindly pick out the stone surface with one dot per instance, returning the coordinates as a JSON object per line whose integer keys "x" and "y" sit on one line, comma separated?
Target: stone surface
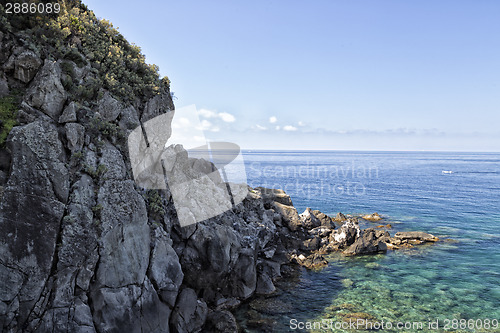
{"x": 108, "y": 107}
{"x": 419, "y": 235}
{"x": 26, "y": 66}
{"x": 369, "y": 242}
{"x": 372, "y": 217}
{"x": 75, "y": 135}
{"x": 69, "y": 113}
{"x": 189, "y": 313}
{"x": 46, "y": 91}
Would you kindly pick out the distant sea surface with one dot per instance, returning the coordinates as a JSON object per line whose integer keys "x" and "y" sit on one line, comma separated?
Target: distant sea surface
{"x": 455, "y": 196}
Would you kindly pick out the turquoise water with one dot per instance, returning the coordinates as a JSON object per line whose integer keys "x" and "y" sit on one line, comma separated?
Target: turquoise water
{"x": 456, "y": 281}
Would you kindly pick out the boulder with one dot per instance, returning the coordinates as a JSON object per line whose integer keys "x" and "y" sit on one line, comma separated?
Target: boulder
{"x": 221, "y": 321}
{"x": 289, "y": 215}
{"x": 309, "y": 220}
{"x": 69, "y": 113}
{"x": 26, "y": 65}
{"x": 46, "y": 91}
{"x": 369, "y": 242}
{"x": 274, "y": 195}
{"x": 189, "y": 313}
{"x": 326, "y": 221}
{"x": 108, "y": 107}
{"x": 346, "y": 234}
{"x": 75, "y": 135}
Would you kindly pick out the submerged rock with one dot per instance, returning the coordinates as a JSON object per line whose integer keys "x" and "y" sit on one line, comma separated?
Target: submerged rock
{"x": 372, "y": 217}
{"x": 416, "y": 235}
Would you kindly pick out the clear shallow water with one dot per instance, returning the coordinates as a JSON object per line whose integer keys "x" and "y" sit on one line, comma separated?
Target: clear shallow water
{"x": 448, "y": 280}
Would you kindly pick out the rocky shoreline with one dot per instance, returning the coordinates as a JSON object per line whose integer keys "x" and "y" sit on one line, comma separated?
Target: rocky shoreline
{"x": 83, "y": 248}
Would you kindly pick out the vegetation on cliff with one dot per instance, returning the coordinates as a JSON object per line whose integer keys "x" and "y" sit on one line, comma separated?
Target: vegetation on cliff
{"x": 76, "y": 34}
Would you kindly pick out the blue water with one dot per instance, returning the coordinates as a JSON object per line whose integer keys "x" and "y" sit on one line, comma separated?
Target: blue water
{"x": 450, "y": 280}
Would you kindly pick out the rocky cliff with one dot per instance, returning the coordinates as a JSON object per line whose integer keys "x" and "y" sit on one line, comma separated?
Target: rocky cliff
{"x": 83, "y": 248}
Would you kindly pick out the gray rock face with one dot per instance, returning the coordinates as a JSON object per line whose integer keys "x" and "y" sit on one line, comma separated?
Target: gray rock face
{"x": 46, "y": 92}
{"x": 190, "y": 313}
{"x": 69, "y": 113}
{"x": 108, "y": 107}
{"x": 309, "y": 220}
{"x": 165, "y": 270}
{"x": 30, "y": 215}
{"x": 26, "y": 66}
{"x": 75, "y": 135}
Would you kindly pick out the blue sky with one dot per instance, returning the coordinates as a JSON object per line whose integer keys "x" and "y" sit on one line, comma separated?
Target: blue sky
{"x": 360, "y": 75}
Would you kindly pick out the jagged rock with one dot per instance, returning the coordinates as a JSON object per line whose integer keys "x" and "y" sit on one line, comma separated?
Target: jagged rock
{"x": 326, "y": 221}
{"x": 165, "y": 271}
{"x": 340, "y": 217}
{"x": 265, "y": 285}
{"x": 112, "y": 162}
{"x": 75, "y": 135}
{"x": 156, "y": 106}
{"x": 189, "y": 313}
{"x": 129, "y": 120}
{"x": 131, "y": 308}
{"x": 26, "y": 66}
{"x": 320, "y": 231}
{"x": 108, "y": 107}
{"x": 372, "y": 217}
{"x": 346, "y": 234}
{"x": 311, "y": 244}
{"x": 69, "y": 113}
{"x": 369, "y": 242}
{"x": 31, "y": 210}
{"x": 274, "y": 195}
{"x": 312, "y": 261}
{"x": 46, "y": 92}
{"x": 289, "y": 215}
{"x": 309, "y": 220}
{"x": 221, "y": 321}
{"x": 418, "y": 235}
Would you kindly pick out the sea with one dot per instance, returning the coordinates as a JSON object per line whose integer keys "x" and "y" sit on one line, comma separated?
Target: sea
{"x": 450, "y": 286}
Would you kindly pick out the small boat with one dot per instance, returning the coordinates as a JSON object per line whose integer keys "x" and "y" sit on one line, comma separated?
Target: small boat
{"x": 447, "y": 171}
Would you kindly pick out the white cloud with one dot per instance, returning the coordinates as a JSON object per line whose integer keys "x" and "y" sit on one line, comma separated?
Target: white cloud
{"x": 227, "y": 117}
{"x": 207, "y": 113}
{"x": 289, "y": 128}
{"x": 301, "y": 123}
{"x": 224, "y": 116}
{"x": 262, "y": 128}
{"x": 205, "y": 125}
{"x": 273, "y": 119}
{"x": 278, "y": 128}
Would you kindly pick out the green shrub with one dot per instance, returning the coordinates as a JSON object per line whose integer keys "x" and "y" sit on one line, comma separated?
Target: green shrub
{"x": 76, "y": 33}
{"x": 155, "y": 203}
{"x": 8, "y": 112}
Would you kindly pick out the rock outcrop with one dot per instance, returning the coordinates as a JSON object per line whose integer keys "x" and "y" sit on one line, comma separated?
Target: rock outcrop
{"x": 85, "y": 248}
